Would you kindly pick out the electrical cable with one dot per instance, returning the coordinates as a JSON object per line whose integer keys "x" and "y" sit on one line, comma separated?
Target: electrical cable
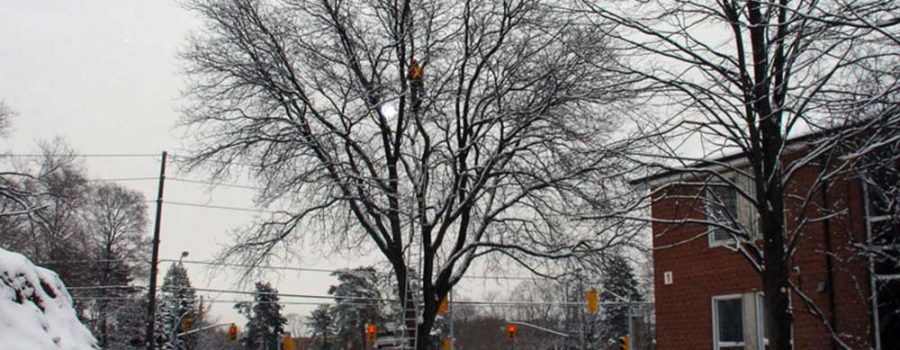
{"x": 83, "y": 155}
{"x": 220, "y": 207}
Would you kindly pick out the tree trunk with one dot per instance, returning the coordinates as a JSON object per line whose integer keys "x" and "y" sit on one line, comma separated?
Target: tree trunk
{"x": 423, "y": 333}
{"x": 776, "y": 272}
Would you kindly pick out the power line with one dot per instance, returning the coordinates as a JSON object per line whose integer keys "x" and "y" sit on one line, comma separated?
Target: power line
{"x": 220, "y": 207}
{"x": 303, "y": 269}
{"x": 176, "y": 157}
{"x": 178, "y": 179}
{"x": 83, "y": 155}
{"x": 269, "y": 267}
{"x": 229, "y": 301}
{"x": 286, "y": 295}
{"x": 337, "y": 297}
{"x": 105, "y": 287}
{"x": 124, "y": 179}
{"x": 215, "y": 184}
{"x": 457, "y": 303}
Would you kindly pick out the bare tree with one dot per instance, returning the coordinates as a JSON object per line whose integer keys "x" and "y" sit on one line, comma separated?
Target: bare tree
{"x": 296, "y": 325}
{"x": 741, "y": 78}
{"x": 116, "y": 223}
{"x": 6, "y": 114}
{"x": 14, "y": 198}
{"x": 440, "y": 131}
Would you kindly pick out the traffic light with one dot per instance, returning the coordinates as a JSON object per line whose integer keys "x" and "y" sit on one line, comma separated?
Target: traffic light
{"x": 371, "y": 332}
{"x": 511, "y": 332}
{"x": 288, "y": 342}
{"x": 232, "y": 333}
{"x": 444, "y": 306}
{"x": 593, "y": 304}
{"x": 186, "y": 323}
{"x": 447, "y": 345}
{"x": 624, "y": 343}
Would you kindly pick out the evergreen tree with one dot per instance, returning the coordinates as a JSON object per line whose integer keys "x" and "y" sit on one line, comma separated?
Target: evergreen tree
{"x": 265, "y": 326}
{"x": 177, "y": 301}
{"x": 356, "y": 304}
{"x": 618, "y": 283}
{"x": 321, "y": 326}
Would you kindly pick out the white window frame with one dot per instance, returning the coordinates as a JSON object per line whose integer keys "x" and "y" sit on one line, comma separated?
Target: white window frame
{"x": 711, "y": 230}
{"x": 746, "y": 217}
{"x": 715, "y": 320}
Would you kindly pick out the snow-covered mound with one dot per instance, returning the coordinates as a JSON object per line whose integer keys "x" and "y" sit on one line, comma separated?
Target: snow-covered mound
{"x": 36, "y": 310}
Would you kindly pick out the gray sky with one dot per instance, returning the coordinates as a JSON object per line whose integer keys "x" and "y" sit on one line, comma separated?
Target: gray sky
{"x": 104, "y": 75}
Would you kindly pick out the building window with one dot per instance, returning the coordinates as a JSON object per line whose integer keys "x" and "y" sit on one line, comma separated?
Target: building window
{"x": 728, "y": 322}
{"x": 739, "y": 322}
{"x": 722, "y": 209}
{"x": 730, "y": 211}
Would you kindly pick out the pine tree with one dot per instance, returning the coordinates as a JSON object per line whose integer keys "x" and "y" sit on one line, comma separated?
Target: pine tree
{"x": 356, "y": 304}
{"x": 265, "y": 326}
{"x": 177, "y": 301}
{"x": 618, "y": 283}
{"x": 322, "y": 327}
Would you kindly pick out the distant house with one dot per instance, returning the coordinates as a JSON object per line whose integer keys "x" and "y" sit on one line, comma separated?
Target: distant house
{"x": 707, "y": 294}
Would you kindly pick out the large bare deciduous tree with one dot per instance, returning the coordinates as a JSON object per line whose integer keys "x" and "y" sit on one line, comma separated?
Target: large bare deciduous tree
{"x": 116, "y": 224}
{"x": 437, "y": 131}
{"x": 742, "y": 77}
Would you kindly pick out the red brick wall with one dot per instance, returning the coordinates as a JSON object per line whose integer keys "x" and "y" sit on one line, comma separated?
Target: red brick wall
{"x": 683, "y": 309}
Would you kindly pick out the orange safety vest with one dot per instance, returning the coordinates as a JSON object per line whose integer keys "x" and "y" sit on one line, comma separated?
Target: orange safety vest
{"x": 416, "y": 72}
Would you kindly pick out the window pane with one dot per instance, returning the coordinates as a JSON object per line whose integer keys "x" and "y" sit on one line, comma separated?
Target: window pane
{"x": 722, "y": 210}
{"x": 731, "y": 320}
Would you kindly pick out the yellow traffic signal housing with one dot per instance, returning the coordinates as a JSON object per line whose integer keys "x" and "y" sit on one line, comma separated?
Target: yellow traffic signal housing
{"x": 372, "y": 332}
{"x": 186, "y": 323}
{"x": 625, "y": 343}
{"x": 511, "y": 332}
{"x": 288, "y": 342}
{"x": 444, "y": 306}
{"x": 232, "y": 333}
{"x": 447, "y": 343}
{"x": 593, "y": 302}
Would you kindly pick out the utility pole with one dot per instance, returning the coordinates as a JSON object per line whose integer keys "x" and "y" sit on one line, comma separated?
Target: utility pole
{"x": 154, "y": 258}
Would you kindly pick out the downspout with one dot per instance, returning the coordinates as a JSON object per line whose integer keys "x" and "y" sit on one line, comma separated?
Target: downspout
{"x": 829, "y": 267}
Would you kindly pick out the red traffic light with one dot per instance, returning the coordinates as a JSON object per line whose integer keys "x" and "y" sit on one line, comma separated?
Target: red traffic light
{"x": 232, "y": 333}
{"x": 511, "y": 332}
{"x": 371, "y": 332}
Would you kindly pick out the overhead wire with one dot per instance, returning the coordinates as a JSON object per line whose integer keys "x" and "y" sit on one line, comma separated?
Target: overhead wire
{"x": 269, "y": 267}
{"x": 83, "y": 155}
{"x": 220, "y": 207}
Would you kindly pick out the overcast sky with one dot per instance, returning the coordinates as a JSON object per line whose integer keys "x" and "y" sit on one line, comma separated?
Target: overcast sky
{"x": 104, "y": 76}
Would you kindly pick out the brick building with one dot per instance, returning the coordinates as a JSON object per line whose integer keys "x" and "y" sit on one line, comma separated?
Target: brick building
{"x": 708, "y": 295}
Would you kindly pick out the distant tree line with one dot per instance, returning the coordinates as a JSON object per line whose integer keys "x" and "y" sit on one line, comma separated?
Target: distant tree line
{"x": 93, "y": 234}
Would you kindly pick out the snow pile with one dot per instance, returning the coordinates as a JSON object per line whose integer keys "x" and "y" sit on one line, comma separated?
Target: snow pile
{"x": 36, "y": 310}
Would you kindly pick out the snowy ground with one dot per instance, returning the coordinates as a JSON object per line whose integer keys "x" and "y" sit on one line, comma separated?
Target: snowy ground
{"x": 36, "y": 310}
